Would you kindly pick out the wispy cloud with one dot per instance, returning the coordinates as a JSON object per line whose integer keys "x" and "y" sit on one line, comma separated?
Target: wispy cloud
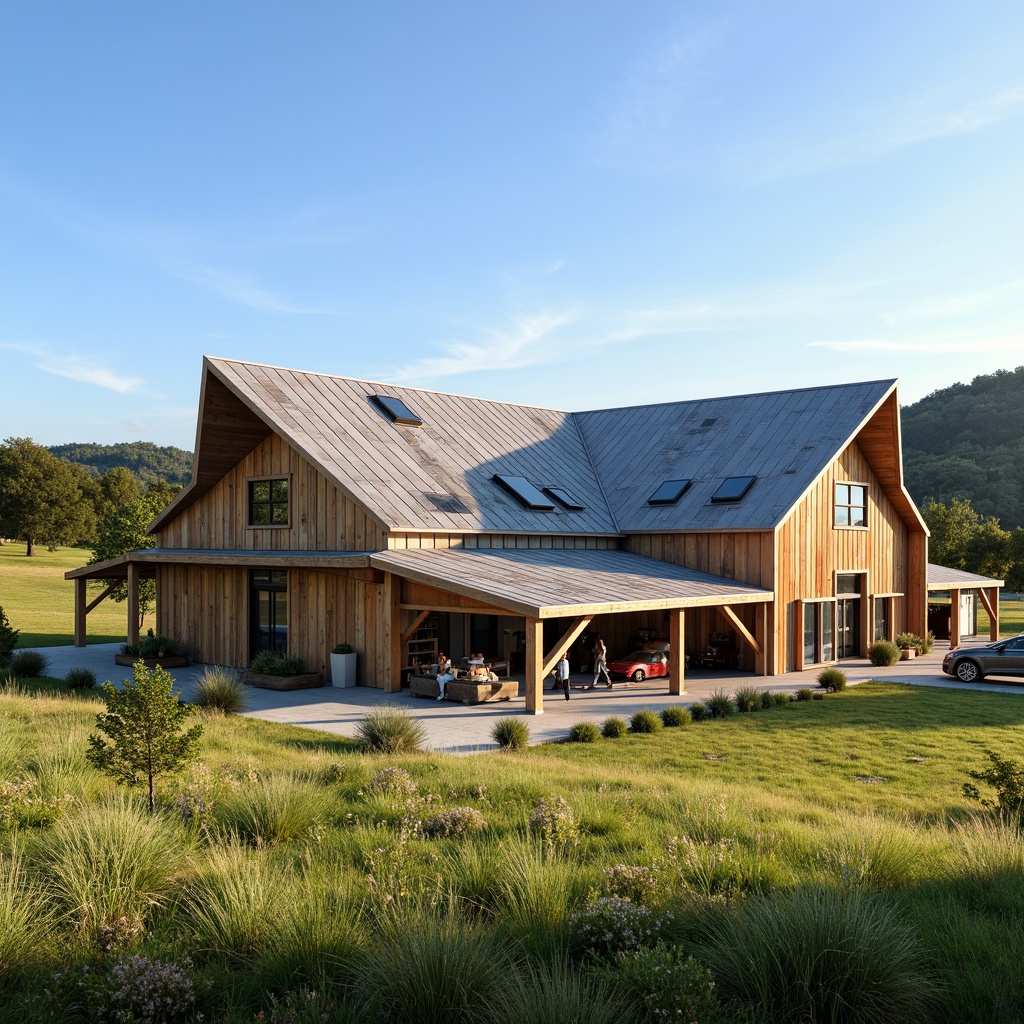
{"x": 526, "y": 342}
{"x": 241, "y": 289}
{"x": 84, "y": 369}
{"x": 966, "y": 344}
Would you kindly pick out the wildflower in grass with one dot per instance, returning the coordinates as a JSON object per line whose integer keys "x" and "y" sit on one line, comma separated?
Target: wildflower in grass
{"x": 669, "y": 984}
{"x": 611, "y": 925}
{"x": 631, "y": 881}
{"x": 553, "y": 820}
{"x": 142, "y": 991}
{"x": 394, "y": 782}
{"x": 458, "y": 821}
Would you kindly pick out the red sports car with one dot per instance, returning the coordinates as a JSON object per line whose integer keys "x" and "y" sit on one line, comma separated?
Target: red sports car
{"x": 640, "y": 665}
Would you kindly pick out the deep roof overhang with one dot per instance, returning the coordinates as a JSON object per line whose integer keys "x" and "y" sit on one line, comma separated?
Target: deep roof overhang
{"x": 941, "y": 577}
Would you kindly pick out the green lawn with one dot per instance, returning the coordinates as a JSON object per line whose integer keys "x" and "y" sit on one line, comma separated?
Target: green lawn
{"x": 284, "y": 860}
{"x": 41, "y": 603}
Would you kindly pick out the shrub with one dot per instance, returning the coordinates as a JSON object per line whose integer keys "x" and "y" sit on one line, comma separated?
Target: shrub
{"x": 906, "y": 641}
{"x": 832, "y": 680}
{"x": 388, "y": 729}
{"x": 668, "y": 983}
{"x": 614, "y": 727}
{"x": 820, "y": 955}
{"x": 927, "y": 642}
{"x": 613, "y": 924}
{"x": 699, "y": 711}
{"x": 818, "y": 695}
{"x": 29, "y": 664}
{"x": 554, "y": 822}
{"x": 645, "y": 720}
{"x": 511, "y": 733}
{"x": 804, "y": 693}
{"x": 720, "y": 704}
{"x": 272, "y": 663}
{"x": 1006, "y": 776}
{"x": 747, "y": 698}
{"x": 557, "y": 993}
{"x": 342, "y": 649}
{"x": 158, "y": 647}
{"x": 883, "y": 653}
{"x": 80, "y": 679}
{"x": 393, "y": 782}
{"x": 674, "y": 716}
{"x": 458, "y": 821}
{"x": 218, "y": 689}
{"x": 776, "y": 698}
{"x": 584, "y": 732}
{"x": 8, "y": 639}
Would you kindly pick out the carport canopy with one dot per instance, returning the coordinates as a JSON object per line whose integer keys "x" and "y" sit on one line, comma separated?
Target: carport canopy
{"x": 941, "y": 578}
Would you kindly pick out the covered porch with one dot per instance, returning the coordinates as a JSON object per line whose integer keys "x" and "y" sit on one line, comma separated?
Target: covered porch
{"x": 960, "y": 586}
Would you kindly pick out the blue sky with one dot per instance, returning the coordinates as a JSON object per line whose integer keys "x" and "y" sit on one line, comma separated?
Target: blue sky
{"x": 574, "y": 204}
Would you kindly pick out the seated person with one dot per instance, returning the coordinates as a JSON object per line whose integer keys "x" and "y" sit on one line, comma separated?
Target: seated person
{"x": 492, "y": 676}
{"x": 444, "y": 673}
{"x": 478, "y": 673}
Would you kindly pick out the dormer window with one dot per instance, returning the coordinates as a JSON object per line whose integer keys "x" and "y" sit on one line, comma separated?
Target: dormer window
{"x": 268, "y": 502}
{"x": 524, "y": 492}
{"x": 669, "y": 492}
{"x": 852, "y": 505}
{"x": 732, "y": 489}
{"x": 397, "y": 411}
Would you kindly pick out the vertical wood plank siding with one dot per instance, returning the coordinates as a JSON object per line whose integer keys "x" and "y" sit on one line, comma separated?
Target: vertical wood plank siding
{"x": 321, "y": 517}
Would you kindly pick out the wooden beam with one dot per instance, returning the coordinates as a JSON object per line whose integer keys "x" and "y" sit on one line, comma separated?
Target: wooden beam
{"x": 416, "y": 623}
{"x": 106, "y": 593}
{"x": 993, "y": 611}
{"x": 80, "y": 612}
{"x": 763, "y": 619}
{"x": 459, "y": 610}
{"x": 133, "y": 602}
{"x": 392, "y": 635}
{"x": 677, "y": 652}
{"x": 954, "y": 619}
{"x": 798, "y": 642}
{"x": 741, "y": 629}
{"x": 564, "y": 644}
{"x": 534, "y": 663}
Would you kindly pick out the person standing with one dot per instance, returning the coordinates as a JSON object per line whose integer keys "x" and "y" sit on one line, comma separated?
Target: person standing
{"x": 601, "y": 664}
{"x": 562, "y": 673}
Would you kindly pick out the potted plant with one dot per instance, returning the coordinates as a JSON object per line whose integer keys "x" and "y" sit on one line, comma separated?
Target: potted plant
{"x": 343, "y": 665}
{"x": 909, "y": 644}
{"x": 273, "y": 670}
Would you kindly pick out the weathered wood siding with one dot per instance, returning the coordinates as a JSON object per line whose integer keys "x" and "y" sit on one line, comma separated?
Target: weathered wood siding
{"x": 812, "y": 549}
{"x": 321, "y": 517}
{"x": 499, "y": 540}
{"x": 207, "y": 608}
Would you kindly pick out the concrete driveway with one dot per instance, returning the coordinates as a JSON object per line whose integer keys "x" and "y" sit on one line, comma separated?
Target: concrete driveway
{"x": 462, "y": 729}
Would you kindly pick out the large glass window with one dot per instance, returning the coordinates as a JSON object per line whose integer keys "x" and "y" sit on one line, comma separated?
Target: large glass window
{"x": 882, "y": 617}
{"x": 851, "y": 505}
{"x": 268, "y": 502}
{"x": 819, "y": 632}
{"x": 268, "y": 610}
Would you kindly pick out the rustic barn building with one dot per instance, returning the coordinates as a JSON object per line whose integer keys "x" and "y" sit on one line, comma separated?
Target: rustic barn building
{"x": 773, "y": 530}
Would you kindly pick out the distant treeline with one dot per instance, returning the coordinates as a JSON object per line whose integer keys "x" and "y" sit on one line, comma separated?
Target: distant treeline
{"x": 149, "y": 462}
{"x": 967, "y": 442}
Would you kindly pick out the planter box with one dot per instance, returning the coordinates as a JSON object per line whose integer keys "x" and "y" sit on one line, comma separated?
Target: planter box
{"x": 306, "y": 681}
{"x": 171, "y": 661}
{"x": 906, "y": 653}
{"x": 343, "y": 669}
{"x": 464, "y": 692}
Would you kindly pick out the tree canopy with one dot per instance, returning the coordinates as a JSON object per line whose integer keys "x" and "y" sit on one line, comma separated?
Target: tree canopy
{"x": 43, "y": 499}
{"x": 150, "y": 463}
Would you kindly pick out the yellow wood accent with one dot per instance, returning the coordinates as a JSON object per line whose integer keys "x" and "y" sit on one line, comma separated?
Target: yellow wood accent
{"x": 564, "y": 644}
{"x": 677, "y": 652}
{"x": 534, "y": 664}
{"x": 133, "y": 602}
{"x": 741, "y": 629}
{"x": 421, "y": 617}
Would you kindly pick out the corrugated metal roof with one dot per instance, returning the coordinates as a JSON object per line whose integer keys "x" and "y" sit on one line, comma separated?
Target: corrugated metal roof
{"x": 941, "y": 577}
{"x": 552, "y": 582}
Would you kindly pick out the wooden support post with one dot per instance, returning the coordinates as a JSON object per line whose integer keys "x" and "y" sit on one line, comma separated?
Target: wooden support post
{"x": 954, "y": 619}
{"x": 677, "y": 652}
{"x": 80, "y": 612}
{"x": 416, "y": 623}
{"x": 534, "y": 666}
{"x": 133, "y": 602}
{"x": 392, "y": 632}
{"x": 798, "y": 637}
{"x": 991, "y": 602}
{"x": 763, "y": 621}
{"x": 106, "y": 593}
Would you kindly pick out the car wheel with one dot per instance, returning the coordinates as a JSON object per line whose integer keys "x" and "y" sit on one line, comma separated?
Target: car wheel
{"x": 967, "y": 671}
{"x": 638, "y": 676}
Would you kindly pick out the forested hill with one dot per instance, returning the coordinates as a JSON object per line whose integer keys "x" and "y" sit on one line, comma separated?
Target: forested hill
{"x": 967, "y": 441}
{"x": 147, "y": 461}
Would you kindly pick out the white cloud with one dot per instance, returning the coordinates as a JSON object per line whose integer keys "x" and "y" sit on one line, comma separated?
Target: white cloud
{"x": 242, "y": 290}
{"x": 85, "y": 369}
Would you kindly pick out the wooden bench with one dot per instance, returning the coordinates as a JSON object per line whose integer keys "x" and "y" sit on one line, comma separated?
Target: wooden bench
{"x": 464, "y": 691}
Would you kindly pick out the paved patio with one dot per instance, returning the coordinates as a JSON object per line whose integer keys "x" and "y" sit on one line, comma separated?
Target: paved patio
{"x": 462, "y": 729}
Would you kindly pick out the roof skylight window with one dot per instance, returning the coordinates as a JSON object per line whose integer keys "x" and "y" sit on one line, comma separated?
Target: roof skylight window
{"x": 565, "y": 499}
{"x": 397, "y": 410}
{"x": 669, "y": 492}
{"x": 527, "y": 495}
{"x": 733, "y": 488}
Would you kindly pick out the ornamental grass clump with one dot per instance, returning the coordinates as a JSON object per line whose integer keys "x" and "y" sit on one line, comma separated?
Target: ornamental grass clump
{"x": 511, "y": 734}
{"x": 675, "y": 716}
{"x": 804, "y": 693}
{"x": 614, "y": 727}
{"x": 584, "y": 732}
{"x": 720, "y": 704}
{"x": 29, "y": 664}
{"x": 388, "y": 729}
{"x": 557, "y": 993}
{"x": 883, "y": 653}
{"x": 699, "y": 711}
{"x": 748, "y": 698}
{"x": 453, "y": 823}
{"x": 276, "y": 809}
{"x": 80, "y": 679}
{"x": 272, "y": 663}
{"x": 25, "y": 916}
{"x": 645, "y": 721}
{"x": 832, "y": 680}
{"x": 218, "y": 689}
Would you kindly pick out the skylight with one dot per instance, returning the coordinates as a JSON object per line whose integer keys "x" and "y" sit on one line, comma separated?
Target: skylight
{"x": 733, "y": 488}
{"x": 397, "y": 410}
{"x": 669, "y": 492}
{"x": 565, "y": 499}
{"x": 528, "y": 495}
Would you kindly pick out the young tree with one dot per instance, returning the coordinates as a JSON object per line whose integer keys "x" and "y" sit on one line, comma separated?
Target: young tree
{"x": 41, "y": 496}
{"x": 143, "y": 723}
{"x": 8, "y": 639}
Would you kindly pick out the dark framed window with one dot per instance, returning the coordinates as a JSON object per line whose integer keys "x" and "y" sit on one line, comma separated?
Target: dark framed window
{"x": 669, "y": 492}
{"x": 565, "y": 499}
{"x": 883, "y": 618}
{"x": 851, "y": 505}
{"x": 524, "y": 492}
{"x": 732, "y": 489}
{"x": 397, "y": 410}
{"x": 268, "y": 611}
{"x": 819, "y": 632}
{"x": 268, "y": 502}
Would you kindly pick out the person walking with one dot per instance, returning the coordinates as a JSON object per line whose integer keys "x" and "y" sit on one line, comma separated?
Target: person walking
{"x": 600, "y": 664}
{"x": 562, "y": 673}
